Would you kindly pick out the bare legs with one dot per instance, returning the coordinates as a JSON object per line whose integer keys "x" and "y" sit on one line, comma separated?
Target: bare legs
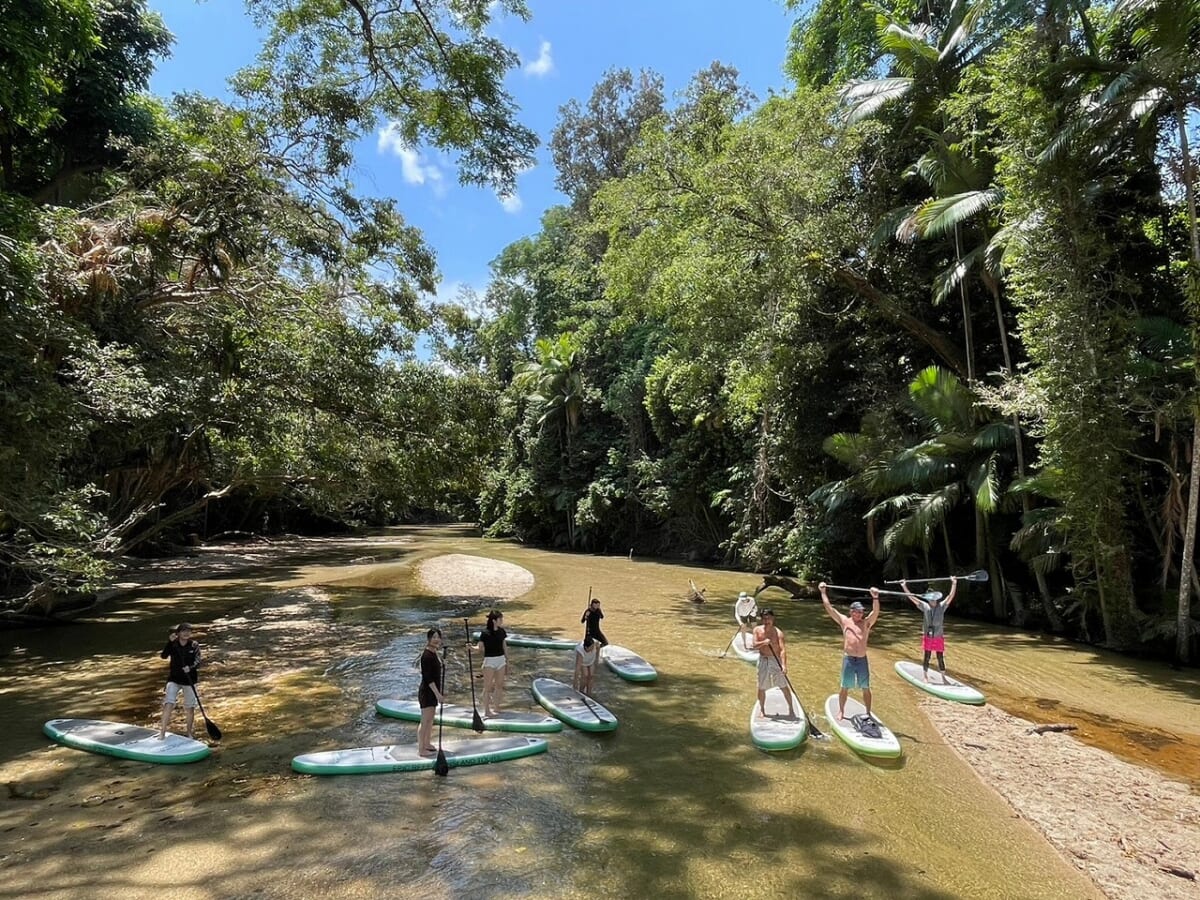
{"x": 168, "y": 711}
{"x": 493, "y": 690}
{"x": 425, "y": 730}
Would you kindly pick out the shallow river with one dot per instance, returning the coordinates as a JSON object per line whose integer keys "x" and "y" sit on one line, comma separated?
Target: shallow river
{"x": 676, "y": 803}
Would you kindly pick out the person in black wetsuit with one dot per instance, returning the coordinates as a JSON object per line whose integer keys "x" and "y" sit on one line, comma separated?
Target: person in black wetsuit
{"x": 492, "y": 641}
{"x": 591, "y": 618}
{"x": 184, "y": 654}
{"x": 429, "y": 694}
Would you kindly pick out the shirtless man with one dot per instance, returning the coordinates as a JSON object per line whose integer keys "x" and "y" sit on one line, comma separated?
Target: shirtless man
{"x": 856, "y": 631}
{"x": 772, "y": 662}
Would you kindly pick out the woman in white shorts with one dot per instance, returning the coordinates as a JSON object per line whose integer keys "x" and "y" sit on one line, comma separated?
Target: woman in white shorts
{"x": 493, "y": 640}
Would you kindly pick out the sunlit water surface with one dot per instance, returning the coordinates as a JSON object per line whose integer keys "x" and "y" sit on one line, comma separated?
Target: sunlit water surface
{"x": 676, "y": 803}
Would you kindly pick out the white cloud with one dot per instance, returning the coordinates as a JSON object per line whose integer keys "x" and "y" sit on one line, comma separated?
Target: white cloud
{"x": 414, "y": 166}
{"x": 511, "y": 202}
{"x": 543, "y": 65}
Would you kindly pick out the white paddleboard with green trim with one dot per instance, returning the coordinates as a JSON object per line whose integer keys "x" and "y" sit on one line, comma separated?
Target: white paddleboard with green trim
{"x": 464, "y": 717}
{"x": 743, "y": 647}
{"x": 778, "y": 731}
{"x": 536, "y": 642}
{"x": 627, "y": 664}
{"x": 572, "y": 707}
{"x": 886, "y": 745}
{"x": 939, "y": 685}
{"x": 125, "y": 741}
{"x": 405, "y": 758}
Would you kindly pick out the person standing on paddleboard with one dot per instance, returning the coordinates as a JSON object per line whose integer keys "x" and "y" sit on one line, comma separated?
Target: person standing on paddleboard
{"x": 184, "y": 654}
{"x": 492, "y": 641}
{"x": 746, "y": 610}
{"x": 856, "y": 631}
{"x": 591, "y": 618}
{"x": 587, "y": 652}
{"x": 772, "y": 662}
{"x": 933, "y": 634}
{"x": 429, "y": 694}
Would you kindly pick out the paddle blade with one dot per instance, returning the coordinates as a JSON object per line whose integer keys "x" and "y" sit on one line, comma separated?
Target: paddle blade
{"x": 977, "y": 575}
{"x": 211, "y": 727}
{"x": 477, "y": 723}
{"x": 440, "y": 766}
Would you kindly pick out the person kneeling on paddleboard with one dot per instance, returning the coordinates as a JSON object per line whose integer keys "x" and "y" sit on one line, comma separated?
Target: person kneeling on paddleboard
{"x": 933, "y": 634}
{"x": 184, "y": 654}
{"x": 772, "y": 662}
{"x": 856, "y": 631}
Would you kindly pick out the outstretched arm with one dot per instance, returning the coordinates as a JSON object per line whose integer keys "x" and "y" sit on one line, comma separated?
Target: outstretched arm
{"x": 833, "y": 613}
{"x": 913, "y": 598}
{"x": 874, "y": 616}
{"x": 953, "y": 590}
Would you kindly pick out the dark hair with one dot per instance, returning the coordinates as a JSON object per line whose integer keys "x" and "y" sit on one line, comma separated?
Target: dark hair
{"x": 767, "y": 612}
{"x": 431, "y": 632}
{"x": 588, "y": 641}
{"x": 183, "y": 626}
{"x": 492, "y": 617}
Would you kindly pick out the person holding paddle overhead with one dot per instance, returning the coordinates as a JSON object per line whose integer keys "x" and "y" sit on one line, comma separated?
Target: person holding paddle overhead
{"x": 933, "y": 634}
{"x": 184, "y": 654}
{"x": 429, "y": 694}
{"x": 591, "y": 618}
{"x": 492, "y": 640}
{"x": 856, "y": 631}
{"x": 772, "y": 662}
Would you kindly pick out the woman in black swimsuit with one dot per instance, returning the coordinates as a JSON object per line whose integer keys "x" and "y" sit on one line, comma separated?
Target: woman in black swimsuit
{"x": 429, "y": 694}
{"x": 495, "y": 662}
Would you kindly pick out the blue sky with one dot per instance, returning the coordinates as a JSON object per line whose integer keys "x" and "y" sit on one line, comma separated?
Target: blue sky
{"x": 565, "y": 49}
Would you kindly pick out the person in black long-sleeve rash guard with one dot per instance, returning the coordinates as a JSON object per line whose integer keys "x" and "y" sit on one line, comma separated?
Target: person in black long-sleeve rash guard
{"x": 184, "y": 654}
{"x": 591, "y": 618}
{"x": 429, "y": 694}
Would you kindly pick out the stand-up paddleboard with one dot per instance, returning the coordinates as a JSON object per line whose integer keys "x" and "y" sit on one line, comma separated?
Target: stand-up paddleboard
{"x": 777, "y": 731}
{"x": 949, "y": 689}
{"x": 743, "y": 647}
{"x": 464, "y": 717}
{"x": 885, "y": 745}
{"x": 125, "y": 741}
{"x": 539, "y": 643}
{"x": 572, "y": 707}
{"x": 405, "y": 758}
{"x": 628, "y": 664}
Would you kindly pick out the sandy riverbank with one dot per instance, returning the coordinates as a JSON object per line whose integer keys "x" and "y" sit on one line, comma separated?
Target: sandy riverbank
{"x": 1134, "y": 832}
{"x": 460, "y": 575}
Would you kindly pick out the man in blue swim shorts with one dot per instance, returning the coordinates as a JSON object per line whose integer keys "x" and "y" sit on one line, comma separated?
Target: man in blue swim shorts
{"x": 856, "y": 631}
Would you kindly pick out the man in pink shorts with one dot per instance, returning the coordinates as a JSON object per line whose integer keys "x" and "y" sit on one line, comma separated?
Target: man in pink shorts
{"x": 933, "y": 635}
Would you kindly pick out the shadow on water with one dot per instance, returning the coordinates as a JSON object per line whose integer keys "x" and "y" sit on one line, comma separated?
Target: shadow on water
{"x": 675, "y": 803}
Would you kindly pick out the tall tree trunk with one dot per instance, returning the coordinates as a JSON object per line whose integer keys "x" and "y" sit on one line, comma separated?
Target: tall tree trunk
{"x": 1192, "y": 296}
{"x": 968, "y": 336}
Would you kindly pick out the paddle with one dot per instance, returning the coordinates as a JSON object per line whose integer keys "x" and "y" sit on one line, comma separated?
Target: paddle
{"x": 210, "y": 726}
{"x": 817, "y": 733}
{"x": 440, "y": 766}
{"x": 476, "y": 722}
{"x": 977, "y": 576}
{"x": 730, "y": 645}
{"x": 928, "y": 595}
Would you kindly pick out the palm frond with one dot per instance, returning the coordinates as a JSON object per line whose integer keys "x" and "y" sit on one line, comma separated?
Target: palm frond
{"x": 862, "y": 99}
{"x": 890, "y": 226}
{"x": 939, "y": 215}
{"x": 994, "y": 436}
{"x": 950, "y": 277}
{"x": 939, "y": 394}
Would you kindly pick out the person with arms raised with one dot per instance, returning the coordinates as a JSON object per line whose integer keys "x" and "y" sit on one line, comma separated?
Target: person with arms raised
{"x": 856, "y": 632}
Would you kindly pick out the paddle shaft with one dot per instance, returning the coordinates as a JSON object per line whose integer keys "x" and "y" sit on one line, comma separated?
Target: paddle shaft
{"x": 977, "y": 575}
{"x": 209, "y": 725}
{"x": 863, "y": 590}
{"x": 476, "y": 722}
{"x": 440, "y": 766}
{"x": 812, "y": 726}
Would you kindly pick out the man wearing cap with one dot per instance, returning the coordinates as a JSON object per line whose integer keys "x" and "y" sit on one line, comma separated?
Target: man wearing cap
{"x": 856, "y": 631}
{"x": 772, "y": 662}
{"x": 184, "y": 654}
